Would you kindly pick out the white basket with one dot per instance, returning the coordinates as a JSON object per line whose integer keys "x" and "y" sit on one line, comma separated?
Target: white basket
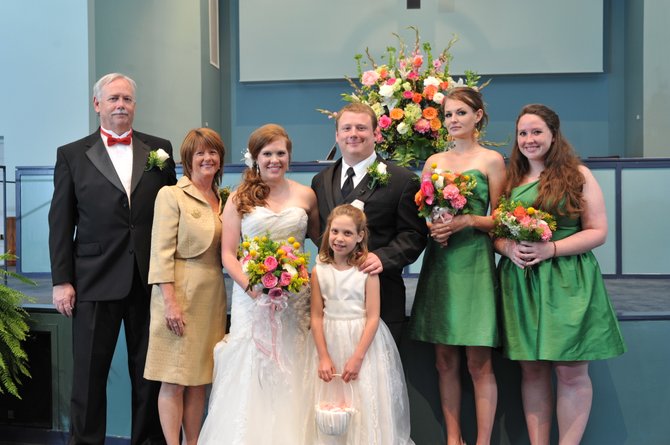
{"x": 334, "y": 411}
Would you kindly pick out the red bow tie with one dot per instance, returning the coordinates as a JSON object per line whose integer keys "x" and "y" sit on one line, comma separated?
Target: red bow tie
{"x": 111, "y": 140}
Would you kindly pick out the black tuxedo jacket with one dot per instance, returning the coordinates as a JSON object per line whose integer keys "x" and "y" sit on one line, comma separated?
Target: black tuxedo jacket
{"x": 397, "y": 233}
{"x": 95, "y": 237}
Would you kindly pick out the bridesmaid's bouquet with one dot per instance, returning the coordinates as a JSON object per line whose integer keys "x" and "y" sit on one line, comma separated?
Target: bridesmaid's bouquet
{"x": 519, "y": 223}
{"x": 277, "y": 266}
{"x": 443, "y": 194}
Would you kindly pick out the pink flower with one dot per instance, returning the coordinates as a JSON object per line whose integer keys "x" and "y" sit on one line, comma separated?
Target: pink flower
{"x": 370, "y": 78}
{"x": 285, "y": 279}
{"x": 379, "y": 137}
{"x": 437, "y": 63}
{"x": 428, "y": 190}
{"x": 385, "y": 121}
{"x": 391, "y": 81}
{"x": 269, "y": 280}
{"x": 422, "y": 125}
{"x": 413, "y": 75}
{"x": 450, "y": 192}
{"x": 270, "y": 264}
{"x": 275, "y": 292}
{"x": 458, "y": 202}
{"x": 407, "y": 94}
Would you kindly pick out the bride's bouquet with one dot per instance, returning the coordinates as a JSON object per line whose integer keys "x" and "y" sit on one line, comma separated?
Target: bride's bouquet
{"x": 443, "y": 194}
{"x": 279, "y": 269}
{"x": 519, "y": 223}
{"x": 277, "y": 266}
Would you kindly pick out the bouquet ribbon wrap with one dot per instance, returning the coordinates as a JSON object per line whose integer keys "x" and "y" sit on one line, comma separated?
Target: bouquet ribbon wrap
{"x": 267, "y": 325}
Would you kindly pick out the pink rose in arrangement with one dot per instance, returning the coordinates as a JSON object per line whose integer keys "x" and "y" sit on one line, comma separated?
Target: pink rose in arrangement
{"x": 546, "y": 232}
{"x": 370, "y": 78}
{"x": 428, "y": 191}
{"x": 275, "y": 292}
{"x": 422, "y": 125}
{"x": 450, "y": 191}
{"x": 407, "y": 94}
{"x": 270, "y": 264}
{"x": 285, "y": 279}
{"x": 269, "y": 280}
{"x": 385, "y": 122}
{"x": 458, "y": 202}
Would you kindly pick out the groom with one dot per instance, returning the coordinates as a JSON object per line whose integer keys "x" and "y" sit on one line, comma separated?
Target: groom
{"x": 397, "y": 233}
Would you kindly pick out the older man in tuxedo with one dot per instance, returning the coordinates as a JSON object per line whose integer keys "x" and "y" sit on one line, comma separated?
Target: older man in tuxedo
{"x": 99, "y": 240}
{"x": 397, "y": 234}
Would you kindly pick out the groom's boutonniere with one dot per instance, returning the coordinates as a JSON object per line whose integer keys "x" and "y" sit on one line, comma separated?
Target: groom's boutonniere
{"x": 156, "y": 158}
{"x": 378, "y": 175}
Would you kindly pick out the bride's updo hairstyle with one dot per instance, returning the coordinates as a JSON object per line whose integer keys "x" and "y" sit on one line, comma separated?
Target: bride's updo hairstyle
{"x": 357, "y": 256}
{"x": 472, "y": 98}
{"x": 253, "y": 191}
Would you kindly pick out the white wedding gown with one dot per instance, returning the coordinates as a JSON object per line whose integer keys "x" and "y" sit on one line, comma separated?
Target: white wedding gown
{"x": 253, "y": 400}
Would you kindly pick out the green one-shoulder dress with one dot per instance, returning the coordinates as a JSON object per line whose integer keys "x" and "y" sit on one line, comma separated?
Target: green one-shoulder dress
{"x": 558, "y": 309}
{"x": 456, "y": 296}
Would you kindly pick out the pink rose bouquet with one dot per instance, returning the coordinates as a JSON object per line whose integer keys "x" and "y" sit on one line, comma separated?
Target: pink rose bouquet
{"x": 443, "y": 194}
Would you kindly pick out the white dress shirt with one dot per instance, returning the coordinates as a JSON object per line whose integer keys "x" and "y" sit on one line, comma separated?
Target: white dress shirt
{"x": 122, "y": 158}
{"x": 360, "y": 169}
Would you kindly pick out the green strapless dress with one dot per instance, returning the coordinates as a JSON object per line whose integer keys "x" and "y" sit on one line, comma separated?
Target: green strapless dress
{"x": 559, "y": 309}
{"x": 456, "y": 296}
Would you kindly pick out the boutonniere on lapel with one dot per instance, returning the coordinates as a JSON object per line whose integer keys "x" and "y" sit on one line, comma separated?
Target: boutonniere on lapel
{"x": 157, "y": 158}
{"x": 378, "y": 175}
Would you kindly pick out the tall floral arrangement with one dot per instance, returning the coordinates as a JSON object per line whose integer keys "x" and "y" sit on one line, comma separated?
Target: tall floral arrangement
{"x": 406, "y": 92}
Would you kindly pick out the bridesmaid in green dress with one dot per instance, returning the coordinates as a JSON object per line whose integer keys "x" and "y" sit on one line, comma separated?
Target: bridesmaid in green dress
{"x": 455, "y": 302}
{"x": 556, "y": 312}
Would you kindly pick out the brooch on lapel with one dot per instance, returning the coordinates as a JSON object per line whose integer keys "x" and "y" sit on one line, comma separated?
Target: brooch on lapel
{"x": 196, "y": 213}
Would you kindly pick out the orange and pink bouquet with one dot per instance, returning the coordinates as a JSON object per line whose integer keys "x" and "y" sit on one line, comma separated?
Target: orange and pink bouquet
{"x": 443, "y": 194}
{"x": 517, "y": 222}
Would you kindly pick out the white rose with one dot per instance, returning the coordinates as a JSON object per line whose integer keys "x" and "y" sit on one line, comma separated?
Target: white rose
{"x": 290, "y": 269}
{"x": 381, "y": 168}
{"x": 402, "y": 128}
{"x": 386, "y": 90}
{"x": 440, "y": 181}
{"x": 162, "y": 155}
{"x": 431, "y": 80}
{"x": 438, "y": 98}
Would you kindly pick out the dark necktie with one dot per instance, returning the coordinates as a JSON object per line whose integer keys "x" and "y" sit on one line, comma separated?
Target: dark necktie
{"x": 111, "y": 140}
{"x": 348, "y": 185}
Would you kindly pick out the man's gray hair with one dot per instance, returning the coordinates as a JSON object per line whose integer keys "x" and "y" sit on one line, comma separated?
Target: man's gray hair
{"x": 109, "y": 78}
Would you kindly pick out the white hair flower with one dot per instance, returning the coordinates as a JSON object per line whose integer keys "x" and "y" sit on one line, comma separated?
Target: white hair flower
{"x": 248, "y": 159}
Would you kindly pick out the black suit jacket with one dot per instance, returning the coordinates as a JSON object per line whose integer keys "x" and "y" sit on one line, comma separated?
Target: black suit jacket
{"x": 397, "y": 233}
{"x": 95, "y": 237}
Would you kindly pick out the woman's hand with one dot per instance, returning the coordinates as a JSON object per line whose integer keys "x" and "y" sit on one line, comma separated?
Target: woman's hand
{"x": 352, "y": 368}
{"x": 533, "y": 252}
{"x": 174, "y": 318}
{"x": 254, "y": 292}
{"x": 439, "y": 232}
{"x": 326, "y": 369}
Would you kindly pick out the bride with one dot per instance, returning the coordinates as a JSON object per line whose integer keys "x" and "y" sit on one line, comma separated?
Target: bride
{"x": 254, "y": 400}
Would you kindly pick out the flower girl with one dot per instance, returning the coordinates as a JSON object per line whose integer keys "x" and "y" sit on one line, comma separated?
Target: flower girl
{"x": 351, "y": 342}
